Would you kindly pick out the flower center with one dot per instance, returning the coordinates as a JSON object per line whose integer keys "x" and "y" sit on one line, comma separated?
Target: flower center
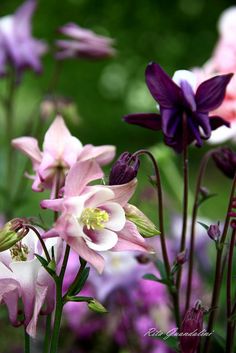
{"x": 94, "y": 218}
{"x": 19, "y": 252}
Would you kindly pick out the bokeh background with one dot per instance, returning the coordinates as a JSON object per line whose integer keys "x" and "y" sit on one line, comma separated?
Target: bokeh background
{"x": 176, "y": 34}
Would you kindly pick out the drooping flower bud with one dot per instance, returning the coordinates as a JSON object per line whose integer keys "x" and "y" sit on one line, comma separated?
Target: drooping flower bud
{"x": 182, "y": 257}
{"x": 12, "y": 232}
{"x": 124, "y": 169}
{"x": 145, "y": 227}
{"x": 191, "y": 326}
{"x": 214, "y": 231}
{"x": 225, "y": 160}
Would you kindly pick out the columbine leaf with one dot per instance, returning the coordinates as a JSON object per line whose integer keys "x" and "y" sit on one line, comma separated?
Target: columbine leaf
{"x": 161, "y": 268}
{"x": 205, "y": 226}
{"x": 205, "y": 198}
{"x": 81, "y": 281}
{"x": 46, "y": 265}
{"x": 79, "y": 299}
{"x": 96, "y": 306}
{"x": 151, "y": 277}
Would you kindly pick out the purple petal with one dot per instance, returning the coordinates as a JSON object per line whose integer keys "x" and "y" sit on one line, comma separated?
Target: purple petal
{"x": 170, "y": 120}
{"x": 161, "y": 86}
{"x": 217, "y": 121}
{"x": 211, "y": 93}
{"x": 188, "y": 95}
{"x": 203, "y": 120}
{"x": 22, "y": 18}
{"x": 148, "y": 120}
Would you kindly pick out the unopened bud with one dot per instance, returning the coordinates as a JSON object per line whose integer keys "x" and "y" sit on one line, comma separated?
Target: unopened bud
{"x": 145, "y": 227}
{"x": 214, "y": 231}
{"x": 193, "y": 322}
{"x": 124, "y": 169}
{"x": 225, "y": 160}
{"x": 12, "y": 232}
{"x": 182, "y": 257}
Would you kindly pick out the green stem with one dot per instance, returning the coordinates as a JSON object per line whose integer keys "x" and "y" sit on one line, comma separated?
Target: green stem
{"x": 46, "y": 344}
{"x": 200, "y": 176}
{"x": 74, "y": 284}
{"x": 59, "y": 303}
{"x": 27, "y": 342}
{"x": 218, "y": 269}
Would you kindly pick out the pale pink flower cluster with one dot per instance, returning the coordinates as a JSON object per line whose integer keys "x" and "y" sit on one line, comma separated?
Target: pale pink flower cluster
{"x": 223, "y": 60}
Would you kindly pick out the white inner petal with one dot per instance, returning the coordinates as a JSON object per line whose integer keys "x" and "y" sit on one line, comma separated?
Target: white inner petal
{"x": 185, "y": 75}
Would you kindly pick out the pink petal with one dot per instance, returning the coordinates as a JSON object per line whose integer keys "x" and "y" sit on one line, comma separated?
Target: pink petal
{"x": 130, "y": 239}
{"x": 102, "y": 154}
{"x": 80, "y": 175}
{"x": 40, "y": 295}
{"x": 98, "y": 195}
{"x": 57, "y": 137}
{"x": 26, "y": 272}
{"x": 9, "y": 294}
{"x": 29, "y": 146}
{"x": 123, "y": 192}
{"x": 102, "y": 240}
{"x": 116, "y": 216}
{"x": 80, "y": 247}
{"x": 55, "y": 205}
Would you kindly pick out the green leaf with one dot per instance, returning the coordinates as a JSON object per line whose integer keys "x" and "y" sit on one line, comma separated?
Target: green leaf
{"x": 219, "y": 339}
{"x": 96, "y": 306}
{"x": 46, "y": 265}
{"x": 161, "y": 268}
{"x": 205, "y": 226}
{"x": 151, "y": 277}
{"x": 79, "y": 299}
{"x": 205, "y": 198}
{"x": 81, "y": 281}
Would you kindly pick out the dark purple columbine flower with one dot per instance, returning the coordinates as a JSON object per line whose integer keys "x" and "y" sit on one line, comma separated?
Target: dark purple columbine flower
{"x": 124, "y": 169}
{"x": 192, "y": 323}
{"x": 17, "y": 46}
{"x": 177, "y": 98}
{"x": 225, "y": 160}
{"x": 83, "y": 43}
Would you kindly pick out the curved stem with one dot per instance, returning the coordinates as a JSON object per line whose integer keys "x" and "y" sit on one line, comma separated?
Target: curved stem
{"x": 27, "y": 342}
{"x": 172, "y": 291}
{"x": 200, "y": 177}
{"x": 41, "y": 241}
{"x": 229, "y": 343}
{"x": 218, "y": 277}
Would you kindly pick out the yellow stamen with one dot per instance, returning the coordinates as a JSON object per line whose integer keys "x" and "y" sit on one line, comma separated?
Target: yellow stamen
{"x": 19, "y": 252}
{"x": 94, "y": 218}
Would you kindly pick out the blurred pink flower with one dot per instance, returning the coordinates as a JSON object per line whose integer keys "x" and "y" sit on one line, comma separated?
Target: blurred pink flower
{"x": 22, "y": 276}
{"x": 83, "y": 43}
{"x": 223, "y": 61}
{"x": 93, "y": 219}
{"x": 60, "y": 152}
{"x": 17, "y": 45}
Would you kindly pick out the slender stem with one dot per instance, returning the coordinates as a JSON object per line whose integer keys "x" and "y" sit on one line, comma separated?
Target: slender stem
{"x": 185, "y": 196}
{"x": 59, "y": 303}
{"x": 46, "y": 344}
{"x": 218, "y": 277}
{"x": 172, "y": 291}
{"x": 229, "y": 343}
{"x": 27, "y": 342}
{"x": 200, "y": 177}
{"x": 41, "y": 241}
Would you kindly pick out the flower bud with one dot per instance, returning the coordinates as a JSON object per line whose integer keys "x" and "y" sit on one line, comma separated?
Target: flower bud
{"x": 182, "y": 257}
{"x": 225, "y": 160}
{"x": 214, "y": 231}
{"x": 145, "y": 227}
{"x": 12, "y": 232}
{"x": 192, "y": 324}
{"x": 124, "y": 169}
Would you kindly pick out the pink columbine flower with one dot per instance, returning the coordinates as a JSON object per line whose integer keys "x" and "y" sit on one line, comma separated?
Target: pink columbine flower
{"x": 222, "y": 61}
{"x": 60, "y": 152}
{"x": 83, "y": 43}
{"x": 17, "y": 46}
{"x": 92, "y": 217}
{"x": 23, "y": 277}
